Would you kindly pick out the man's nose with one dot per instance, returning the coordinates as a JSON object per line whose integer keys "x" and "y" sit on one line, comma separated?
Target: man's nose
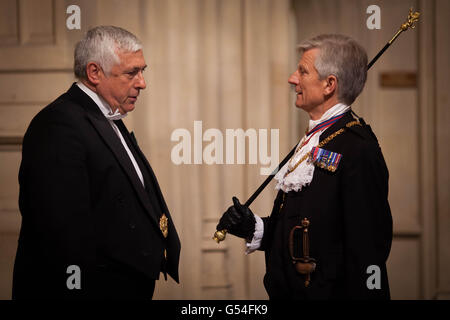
{"x": 140, "y": 81}
{"x": 293, "y": 79}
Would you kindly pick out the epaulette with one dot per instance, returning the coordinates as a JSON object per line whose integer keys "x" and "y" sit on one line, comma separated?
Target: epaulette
{"x": 364, "y": 130}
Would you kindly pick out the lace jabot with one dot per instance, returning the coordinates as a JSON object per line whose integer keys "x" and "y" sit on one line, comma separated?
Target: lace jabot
{"x": 303, "y": 174}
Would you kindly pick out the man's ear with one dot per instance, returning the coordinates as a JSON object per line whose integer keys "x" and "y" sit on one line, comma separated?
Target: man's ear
{"x": 330, "y": 85}
{"x": 94, "y": 73}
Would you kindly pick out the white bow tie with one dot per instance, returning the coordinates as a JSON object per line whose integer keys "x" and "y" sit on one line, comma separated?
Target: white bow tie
{"x": 115, "y": 116}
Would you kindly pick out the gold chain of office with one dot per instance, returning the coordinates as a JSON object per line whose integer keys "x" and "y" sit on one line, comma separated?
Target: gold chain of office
{"x": 321, "y": 144}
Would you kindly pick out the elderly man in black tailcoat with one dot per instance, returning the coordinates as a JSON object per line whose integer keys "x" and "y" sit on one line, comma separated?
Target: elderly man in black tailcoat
{"x": 94, "y": 220}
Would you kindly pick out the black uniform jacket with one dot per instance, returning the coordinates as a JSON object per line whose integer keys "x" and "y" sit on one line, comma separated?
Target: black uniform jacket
{"x": 350, "y": 230}
{"x": 83, "y": 204}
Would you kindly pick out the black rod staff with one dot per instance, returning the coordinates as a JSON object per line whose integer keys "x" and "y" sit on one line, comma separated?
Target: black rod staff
{"x": 409, "y": 23}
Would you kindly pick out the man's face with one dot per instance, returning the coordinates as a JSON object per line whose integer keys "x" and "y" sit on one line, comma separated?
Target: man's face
{"x": 121, "y": 87}
{"x": 309, "y": 89}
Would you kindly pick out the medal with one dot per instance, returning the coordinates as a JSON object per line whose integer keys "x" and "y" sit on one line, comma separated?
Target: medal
{"x": 325, "y": 159}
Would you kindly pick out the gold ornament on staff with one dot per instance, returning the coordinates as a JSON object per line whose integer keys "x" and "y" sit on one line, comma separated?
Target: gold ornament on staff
{"x": 220, "y": 235}
{"x": 409, "y": 23}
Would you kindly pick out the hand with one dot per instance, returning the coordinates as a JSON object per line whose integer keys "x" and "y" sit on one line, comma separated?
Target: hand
{"x": 238, "y": 220}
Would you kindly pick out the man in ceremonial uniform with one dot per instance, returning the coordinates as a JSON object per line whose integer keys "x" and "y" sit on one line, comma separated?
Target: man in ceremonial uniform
{"x": 330, "y": 231}
{"x": 94, "y": 220}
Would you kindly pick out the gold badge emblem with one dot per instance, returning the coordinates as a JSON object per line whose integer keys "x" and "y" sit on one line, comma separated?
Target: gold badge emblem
{"x": 163, "y": 225}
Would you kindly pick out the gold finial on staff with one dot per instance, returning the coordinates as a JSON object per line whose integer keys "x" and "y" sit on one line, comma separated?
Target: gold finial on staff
{"x": 220, "y": 235}
{"x": 409, "y": 23}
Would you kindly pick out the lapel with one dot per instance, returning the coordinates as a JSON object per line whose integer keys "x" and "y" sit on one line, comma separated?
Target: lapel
{"x": 110, "y": 138}
{"x": 151, "y": 174}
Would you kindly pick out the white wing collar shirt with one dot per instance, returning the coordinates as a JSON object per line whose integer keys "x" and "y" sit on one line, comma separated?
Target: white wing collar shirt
{"x": 107, "y": 112}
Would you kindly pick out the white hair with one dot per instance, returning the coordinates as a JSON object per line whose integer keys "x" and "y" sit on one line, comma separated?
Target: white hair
{"x": 342, "y": 57}
{"x": 100, "y": 45}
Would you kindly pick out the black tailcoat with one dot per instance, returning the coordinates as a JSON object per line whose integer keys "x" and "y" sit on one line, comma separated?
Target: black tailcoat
{"x": 350, "y": 224}
{"x": 83, "y": 204}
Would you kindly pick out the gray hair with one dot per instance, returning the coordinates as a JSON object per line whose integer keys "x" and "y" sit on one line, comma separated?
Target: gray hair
{"x": 342, "y": 57}
{"x": 100, "y": 45}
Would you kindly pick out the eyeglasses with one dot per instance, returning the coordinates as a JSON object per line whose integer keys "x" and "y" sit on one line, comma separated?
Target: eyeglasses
{"x": 304, "y": 264}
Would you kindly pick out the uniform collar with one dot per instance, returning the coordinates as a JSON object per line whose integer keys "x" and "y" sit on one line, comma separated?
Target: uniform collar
{"x": 334, "y": 111}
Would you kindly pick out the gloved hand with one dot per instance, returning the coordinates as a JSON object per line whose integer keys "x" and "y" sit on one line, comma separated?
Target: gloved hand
{"x": 238, "y": 220}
